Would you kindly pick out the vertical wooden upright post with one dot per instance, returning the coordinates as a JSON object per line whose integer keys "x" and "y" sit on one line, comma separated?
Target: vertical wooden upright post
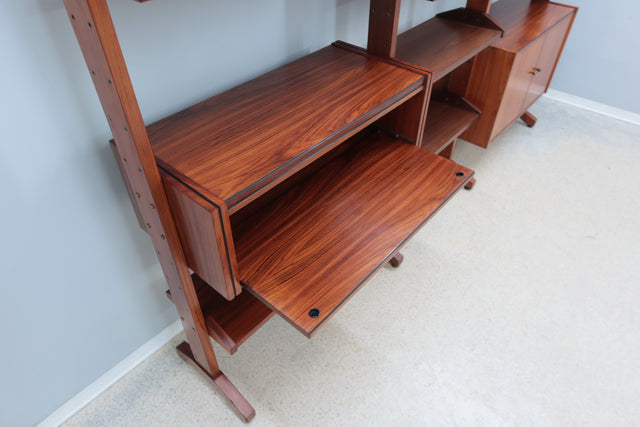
{"x": 383, "y": 27}
{"x": 480, "y": 5}
{"x": 98, "y": 41}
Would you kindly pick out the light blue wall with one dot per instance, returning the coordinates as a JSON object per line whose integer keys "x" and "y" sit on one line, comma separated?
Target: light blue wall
{"x": 81, "y": 286}
{"x": 602, "y": 56}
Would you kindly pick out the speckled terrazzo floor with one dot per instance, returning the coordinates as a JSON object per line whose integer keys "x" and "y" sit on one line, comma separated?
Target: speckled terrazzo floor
{"x": 516, "y": 305}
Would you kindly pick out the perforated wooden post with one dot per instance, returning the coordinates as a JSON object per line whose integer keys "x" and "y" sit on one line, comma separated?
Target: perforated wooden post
{"x": 96, "y": 35}
{"x": 383, "y": 27}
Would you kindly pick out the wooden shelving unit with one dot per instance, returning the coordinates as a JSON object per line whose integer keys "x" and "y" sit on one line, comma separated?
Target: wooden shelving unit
{"x": 287, "y": 193}
{"x": 443, "y": 45}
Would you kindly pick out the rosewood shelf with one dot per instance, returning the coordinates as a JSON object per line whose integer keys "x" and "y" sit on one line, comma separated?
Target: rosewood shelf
{"x": 230, "y": 323}
{"x": 448, "y": 116}
{"x": 307, "y": 251}
{"x": 441, "y": 45}
{"x": 239, "y": 144}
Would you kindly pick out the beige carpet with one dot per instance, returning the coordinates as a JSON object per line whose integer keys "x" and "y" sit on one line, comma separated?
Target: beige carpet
{"x": 518, "y": 304}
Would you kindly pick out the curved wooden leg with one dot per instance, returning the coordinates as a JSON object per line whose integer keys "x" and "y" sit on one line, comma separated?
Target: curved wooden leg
{"x": 396, "y": 260}
{"x": 469, "y": 185}
{"x": 529, "y": 119}
{"x": 222, "y": 383}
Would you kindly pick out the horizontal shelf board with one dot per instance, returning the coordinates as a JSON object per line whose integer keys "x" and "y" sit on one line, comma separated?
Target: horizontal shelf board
{"x": 246, "y": 139}
{"x": 444, "y": 123}
{"x": 230, "y": 323}
{"x": 441, "y": 45}
{"x": 314, "y": 245}
{"x": 525, "y": 20}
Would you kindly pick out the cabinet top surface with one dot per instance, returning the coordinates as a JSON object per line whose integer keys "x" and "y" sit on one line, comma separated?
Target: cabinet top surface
{"x": 238, "y": 142}
{"x": 525, "y": 20}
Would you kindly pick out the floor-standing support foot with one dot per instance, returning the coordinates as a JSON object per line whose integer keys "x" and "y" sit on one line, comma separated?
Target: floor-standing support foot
{"x": 447, "y": 151}
{"x": 222, "y": 383}
{"x": 469, "y": 185}
{"x": 396, "y": 260}
{"x": 529, "y": 119}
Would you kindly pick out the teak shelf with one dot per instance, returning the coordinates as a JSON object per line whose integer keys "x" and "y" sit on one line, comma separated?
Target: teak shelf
{"x": 285, "y": 194}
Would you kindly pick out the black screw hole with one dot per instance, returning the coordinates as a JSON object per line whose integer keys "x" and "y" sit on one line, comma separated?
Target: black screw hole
{"x": 73, "y": 17}
{"x": 93, "y": 73}
{"x": 125, "y": 159}
{"x": 90, "y": 26}
{"x": 139, "y": 170}
{"x": 314, "y": 312}
{"x": 126, "y": 129}
{"x": 459, "y": 173}
{"x": 109, "y": 80}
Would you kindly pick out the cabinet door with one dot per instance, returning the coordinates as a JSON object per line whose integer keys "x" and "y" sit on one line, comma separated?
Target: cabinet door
{"x": 543, "y": 69}
{"x": 518, "y": 85}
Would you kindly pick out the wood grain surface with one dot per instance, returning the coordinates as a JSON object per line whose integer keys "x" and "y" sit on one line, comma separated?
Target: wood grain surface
{"x": 525, "y": 20}
{"x": 243, "y": 141}
{"x": 314, "y": 245}
{"x": 230, "y": 323}
{"x": 207, "y": 247}
{"x": 96, "y": 35}
{"x": 445, "y": 122}
{"x": 441, "y": 45}
{"x": 383, "y": 27}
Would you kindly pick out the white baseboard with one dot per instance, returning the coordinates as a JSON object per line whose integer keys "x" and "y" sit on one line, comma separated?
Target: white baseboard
{"x": 96, "y": 388}
{"x": 596, "y": 107}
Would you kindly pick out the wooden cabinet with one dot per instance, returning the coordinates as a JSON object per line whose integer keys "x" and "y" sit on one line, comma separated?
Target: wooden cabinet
{"x": 518, "y": 88}
{"x": 511, "y": 74}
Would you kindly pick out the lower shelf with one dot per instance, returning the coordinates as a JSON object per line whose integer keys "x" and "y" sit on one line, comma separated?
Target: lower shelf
{"x": 448, "y": 116}
{"x": 230, "y": 323}
{"x": 311, "y": 248}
